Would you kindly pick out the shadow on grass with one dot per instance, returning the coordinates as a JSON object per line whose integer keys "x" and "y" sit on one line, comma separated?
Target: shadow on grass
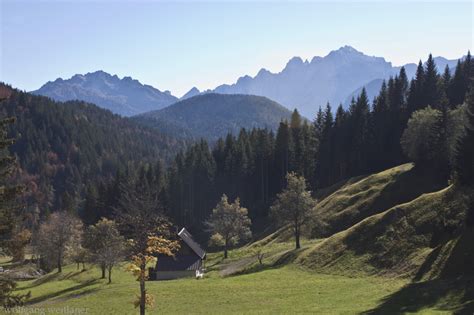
{"x": 69, "y": 292}
{"x": 253, "y": 266}
{"x": 52, "y": 277}
{"x": 404, "y": 187}
{"x": 456, "y": 295}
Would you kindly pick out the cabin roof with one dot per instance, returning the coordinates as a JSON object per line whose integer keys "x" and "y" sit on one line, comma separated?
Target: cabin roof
{"x": 181, "y": 262}
{"x": 188, "y": 239}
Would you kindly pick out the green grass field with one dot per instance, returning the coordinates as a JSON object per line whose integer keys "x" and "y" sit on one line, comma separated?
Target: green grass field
{"x": 282, "y": 290}
{"x": 271, "y": 290}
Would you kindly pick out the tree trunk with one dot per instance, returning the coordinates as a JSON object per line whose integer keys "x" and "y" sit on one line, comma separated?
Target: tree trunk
{"x": 297, "y": 237}
{"x": 77, "y": 265}
{"x": 110, "y": 274}
{"x": 225, "y": 249}
{"x": 83, "y": 266}
{"x": 142, "y": 288}
{"x": 103, "y": 271}
{"x": 60, "y": 269}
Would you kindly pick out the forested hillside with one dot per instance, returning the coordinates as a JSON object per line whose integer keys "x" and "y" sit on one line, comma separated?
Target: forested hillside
{"x": 419, "y": 121}
{"x": 62, "y": 147}
{"x": 211, "y": 116}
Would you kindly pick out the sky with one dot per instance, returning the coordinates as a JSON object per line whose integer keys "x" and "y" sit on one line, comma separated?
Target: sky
{"x": 177, "y": 45}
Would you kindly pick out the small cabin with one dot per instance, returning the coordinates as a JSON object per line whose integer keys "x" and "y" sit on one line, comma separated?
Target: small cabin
{"x": 187, "y": 262}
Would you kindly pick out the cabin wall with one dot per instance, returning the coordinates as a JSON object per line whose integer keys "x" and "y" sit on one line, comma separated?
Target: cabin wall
{"x": 169, "y": 275}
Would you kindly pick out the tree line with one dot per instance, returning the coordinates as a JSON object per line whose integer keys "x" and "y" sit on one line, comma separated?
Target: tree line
{"x": 367, "y": 137}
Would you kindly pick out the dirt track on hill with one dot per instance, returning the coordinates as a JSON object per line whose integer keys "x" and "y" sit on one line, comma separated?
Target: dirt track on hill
{"x": 232, "y": 267}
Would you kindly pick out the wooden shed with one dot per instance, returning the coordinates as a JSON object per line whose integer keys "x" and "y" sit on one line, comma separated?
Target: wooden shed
{"x": 187, "y": 262}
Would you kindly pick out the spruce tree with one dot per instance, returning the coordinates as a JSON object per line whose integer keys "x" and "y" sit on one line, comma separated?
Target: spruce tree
{"x": 430, "y": 84}
{"x": 324, "y": 163}
{"x": 440, "y": 139}
{"x": 464, "y": 159}
{"x": 283, "y": 153}
{"x": 416, "y": 94}
{"x": 360, "y": 135}
{"x": 317, "y": 134}
{"x": 8, "y": 194}
{"x": 457, "y": 89}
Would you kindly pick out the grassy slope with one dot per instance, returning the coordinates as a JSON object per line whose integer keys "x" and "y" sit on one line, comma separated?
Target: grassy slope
{"x": 348, "y": 203}
{"x": 417, "y": 238}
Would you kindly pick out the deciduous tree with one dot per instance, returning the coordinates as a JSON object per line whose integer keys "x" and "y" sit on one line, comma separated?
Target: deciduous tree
{"x": 61, "y": 231}
{"x": 141, "y": 220}
{"x": 106, "y": 245}
{"x": 229, "y": 222}
{"x": 293, "y": 205}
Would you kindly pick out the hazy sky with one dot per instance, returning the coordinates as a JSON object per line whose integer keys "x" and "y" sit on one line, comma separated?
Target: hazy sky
{"x": 177, "y": 45}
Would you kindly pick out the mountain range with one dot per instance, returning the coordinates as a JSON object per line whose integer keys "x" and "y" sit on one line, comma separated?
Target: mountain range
{"x": 304, "y": 85}
{"x": 126, "y": 96}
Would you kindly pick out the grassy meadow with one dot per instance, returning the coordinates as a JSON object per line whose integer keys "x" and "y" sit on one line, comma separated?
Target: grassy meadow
{"x": 271, "y": 288}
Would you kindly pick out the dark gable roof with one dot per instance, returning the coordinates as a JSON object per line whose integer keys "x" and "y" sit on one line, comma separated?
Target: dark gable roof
{"x": 188, "y": 239}
{"x": 181, "y": 262}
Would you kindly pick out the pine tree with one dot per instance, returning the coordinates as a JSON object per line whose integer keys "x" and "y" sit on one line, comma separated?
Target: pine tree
{"x": 440, "y": 139}
{"x": 283, "y": 153}
{"x": 430, "y": 84}
{"x": 464, "y": 160}
{"x": 325, "y": 162}
{"x": 416, "y": 93}
{"x": 317, "y": 130}
{"x": 457, "y": 88}
{"x": 360, "y": 135}
{"x": 8, "y": 194}
{"x": 298, "y": 142}
{"x": 340, "y": 148}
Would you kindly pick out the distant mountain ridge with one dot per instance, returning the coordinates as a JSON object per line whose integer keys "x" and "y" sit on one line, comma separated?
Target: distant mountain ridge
{"x": 307, "y": 85}
{"x": 126, "y": 96}
{"x": 214, "y": 115}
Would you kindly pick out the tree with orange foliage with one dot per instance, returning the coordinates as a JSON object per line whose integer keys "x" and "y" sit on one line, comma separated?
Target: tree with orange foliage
{"x": 141, "y": 220}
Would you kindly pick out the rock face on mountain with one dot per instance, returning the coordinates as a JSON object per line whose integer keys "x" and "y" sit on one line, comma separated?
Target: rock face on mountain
{"x": 306, "y": 85}
{"x": 213, "y": 115}
{"x": 126, "y": 96}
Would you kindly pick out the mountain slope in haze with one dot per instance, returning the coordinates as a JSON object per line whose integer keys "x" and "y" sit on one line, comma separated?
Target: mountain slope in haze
{"x": 126, "y": 96}
{"x": 212, "y": 115}
{"x": 62, "y": 147}
{"x": 193, "y": 92}
{"x": 307, "y": 85}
